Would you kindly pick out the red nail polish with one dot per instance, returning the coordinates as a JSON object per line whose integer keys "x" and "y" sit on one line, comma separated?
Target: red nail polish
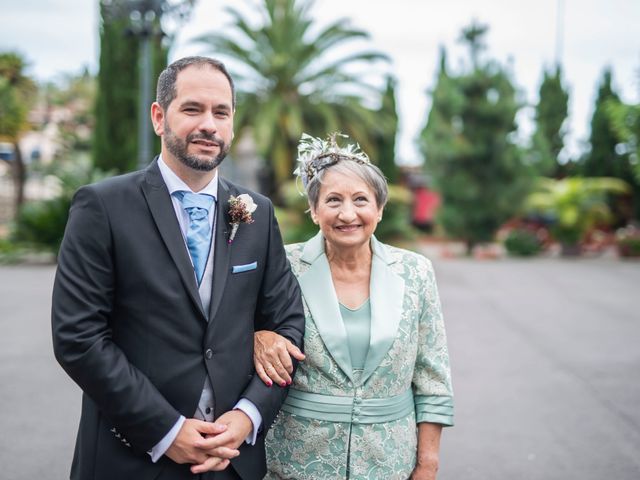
{"x": 269, "y": 383}
{"x": 283, "y": 384}
{"x": 289, "y": 382}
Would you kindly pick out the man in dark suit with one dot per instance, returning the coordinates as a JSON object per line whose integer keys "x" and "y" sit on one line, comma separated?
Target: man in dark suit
{"x": 159, "y": 289}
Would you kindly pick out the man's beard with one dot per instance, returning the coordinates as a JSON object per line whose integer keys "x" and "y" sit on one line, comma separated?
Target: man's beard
{"x": 178, "y": 148}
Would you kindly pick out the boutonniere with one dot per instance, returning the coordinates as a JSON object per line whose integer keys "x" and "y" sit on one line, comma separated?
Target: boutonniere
{"x": 240, "y": 210}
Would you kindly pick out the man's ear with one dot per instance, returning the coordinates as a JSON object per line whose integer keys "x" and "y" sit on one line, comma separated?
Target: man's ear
{"x": 157, "y": 118}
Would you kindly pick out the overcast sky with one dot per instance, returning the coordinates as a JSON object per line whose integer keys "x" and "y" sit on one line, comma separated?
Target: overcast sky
{"x": 58, "y": 36}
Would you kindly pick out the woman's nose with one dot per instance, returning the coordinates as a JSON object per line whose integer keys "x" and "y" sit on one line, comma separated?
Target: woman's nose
{"x": 347, "y": 212}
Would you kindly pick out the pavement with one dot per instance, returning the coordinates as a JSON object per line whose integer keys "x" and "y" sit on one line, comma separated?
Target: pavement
{"x": 545, "y": 357}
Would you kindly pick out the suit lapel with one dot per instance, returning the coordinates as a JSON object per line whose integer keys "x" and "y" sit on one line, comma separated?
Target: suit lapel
{"x": 387, "y": 294}
{"x": 320, "y": 296}
{"x": 157, "y": 197}
{"x": 222, "y": 250}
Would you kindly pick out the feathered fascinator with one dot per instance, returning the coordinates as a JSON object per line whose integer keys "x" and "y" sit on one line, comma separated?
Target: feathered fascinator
{"x": 315, "y": 154}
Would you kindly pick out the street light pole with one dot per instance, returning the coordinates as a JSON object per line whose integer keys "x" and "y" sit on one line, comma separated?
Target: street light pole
{"x": 144, "y": 132}
{"x": 144, "y": 18}
{"x": 559, "y": 31}
{"x": 145, "y": 65}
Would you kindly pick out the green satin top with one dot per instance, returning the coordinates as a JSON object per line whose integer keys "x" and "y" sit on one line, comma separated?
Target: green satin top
{"x": 358, "y": 326}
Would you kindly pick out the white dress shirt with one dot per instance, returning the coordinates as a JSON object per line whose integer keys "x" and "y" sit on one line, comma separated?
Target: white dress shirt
{"x": 205, "y": 405}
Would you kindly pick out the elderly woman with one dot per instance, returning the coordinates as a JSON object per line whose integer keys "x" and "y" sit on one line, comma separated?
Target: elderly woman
{"x": 371, "y": 397}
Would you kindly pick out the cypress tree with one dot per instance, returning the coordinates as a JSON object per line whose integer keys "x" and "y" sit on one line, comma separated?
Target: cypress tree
{"x": 551, "y": 114}
{"x": 385, "y": 138}
{"x": 604, "y": 159}
{"x": 468, "y": 146}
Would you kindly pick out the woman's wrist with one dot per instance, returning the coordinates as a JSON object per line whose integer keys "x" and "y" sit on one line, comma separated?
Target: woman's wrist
{"x": 428, "y": 461}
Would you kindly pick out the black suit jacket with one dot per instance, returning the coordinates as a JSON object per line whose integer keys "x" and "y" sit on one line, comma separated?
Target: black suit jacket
{"x": 129, "y": 328}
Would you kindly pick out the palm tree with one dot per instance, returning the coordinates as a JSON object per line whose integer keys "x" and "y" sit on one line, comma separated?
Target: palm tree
{"x": 291, "y": 81}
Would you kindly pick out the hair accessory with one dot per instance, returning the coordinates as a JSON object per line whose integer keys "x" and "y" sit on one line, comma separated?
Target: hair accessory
{"x": 315, "y": 154}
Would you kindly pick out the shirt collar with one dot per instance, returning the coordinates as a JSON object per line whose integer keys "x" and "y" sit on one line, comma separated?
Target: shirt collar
{"x": 175, "y": 183}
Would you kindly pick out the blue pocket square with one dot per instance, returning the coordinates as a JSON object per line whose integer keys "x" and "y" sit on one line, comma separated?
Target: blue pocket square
{"x": 244, "y": 268}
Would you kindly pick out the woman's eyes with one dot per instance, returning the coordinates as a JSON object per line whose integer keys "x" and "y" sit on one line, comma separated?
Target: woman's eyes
{"x": 361, "y": 199}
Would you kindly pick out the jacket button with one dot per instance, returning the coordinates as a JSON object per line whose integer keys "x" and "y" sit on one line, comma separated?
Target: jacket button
{"x": 208, "y": 354}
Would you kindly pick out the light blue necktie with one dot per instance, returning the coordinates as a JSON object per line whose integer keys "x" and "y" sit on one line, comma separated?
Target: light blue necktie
{"x": 197, "y": 206}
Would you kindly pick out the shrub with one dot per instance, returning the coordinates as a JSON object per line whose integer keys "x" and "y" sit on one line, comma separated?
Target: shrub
{"x": 522, "y": 243}
{"x": 41, "y": 224}
{"x": 628, "y": 241}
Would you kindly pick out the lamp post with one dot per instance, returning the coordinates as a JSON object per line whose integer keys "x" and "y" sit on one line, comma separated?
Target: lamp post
{"x": 559, "y": 31}
{"x": 143, "y": 19}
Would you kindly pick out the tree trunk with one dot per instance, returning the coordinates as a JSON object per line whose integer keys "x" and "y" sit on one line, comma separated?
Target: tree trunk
{"x": 470, "y": 244}
{"x": 19, "y": 177}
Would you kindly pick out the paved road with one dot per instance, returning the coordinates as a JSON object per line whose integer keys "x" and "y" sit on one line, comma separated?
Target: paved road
{"x": 546, "y": 365}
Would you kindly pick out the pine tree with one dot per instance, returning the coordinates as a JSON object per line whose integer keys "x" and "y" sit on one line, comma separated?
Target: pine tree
{"x": 550, "y": 117}
{"x": 468, "y": 146}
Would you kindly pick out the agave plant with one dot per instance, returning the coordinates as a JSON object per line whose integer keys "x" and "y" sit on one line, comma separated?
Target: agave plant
{"x": 291, "y": 80}
{"x": 575, "y": 204}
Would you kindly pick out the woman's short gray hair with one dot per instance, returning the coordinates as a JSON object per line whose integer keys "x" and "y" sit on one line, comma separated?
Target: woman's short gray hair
{"x": 369, "y": 173}
{"x": 316, "y": 156}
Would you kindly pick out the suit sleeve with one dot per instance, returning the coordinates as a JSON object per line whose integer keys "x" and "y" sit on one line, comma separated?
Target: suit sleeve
{"x": 433, "y": 395}
{"x": 279, "y": 310}
{"x": 82, "y": 305}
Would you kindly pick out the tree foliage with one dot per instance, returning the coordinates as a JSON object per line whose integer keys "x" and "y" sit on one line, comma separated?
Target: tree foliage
{"x": 602, "y": 160}
{"x": 625, "y": 121}
{"x": 17, "y": 94}
{"x": 469, "y": 149}
{"x": 385, "y": 133}
{"x": 292, "y": 81}
{"x": 607, "y": 157}
{"x": 550, "y": 117}
{"x": 76, "y": 94}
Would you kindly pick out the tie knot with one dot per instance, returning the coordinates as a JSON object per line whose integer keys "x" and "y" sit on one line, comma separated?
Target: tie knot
{"x": 194, "y": 203}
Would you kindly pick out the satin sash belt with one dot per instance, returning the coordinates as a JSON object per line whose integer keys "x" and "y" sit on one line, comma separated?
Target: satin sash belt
{"x": 336, "y": 408}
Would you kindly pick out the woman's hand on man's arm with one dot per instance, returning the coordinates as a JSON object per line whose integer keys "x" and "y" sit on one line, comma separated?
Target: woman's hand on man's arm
{"x": 272, "y": 357}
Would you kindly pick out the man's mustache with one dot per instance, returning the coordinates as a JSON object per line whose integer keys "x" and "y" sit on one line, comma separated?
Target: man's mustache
{"x": 207, "y": 137}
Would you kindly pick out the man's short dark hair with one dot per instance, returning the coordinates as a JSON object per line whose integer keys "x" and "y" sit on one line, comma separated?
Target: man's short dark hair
{"x": 166, "y": 90}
